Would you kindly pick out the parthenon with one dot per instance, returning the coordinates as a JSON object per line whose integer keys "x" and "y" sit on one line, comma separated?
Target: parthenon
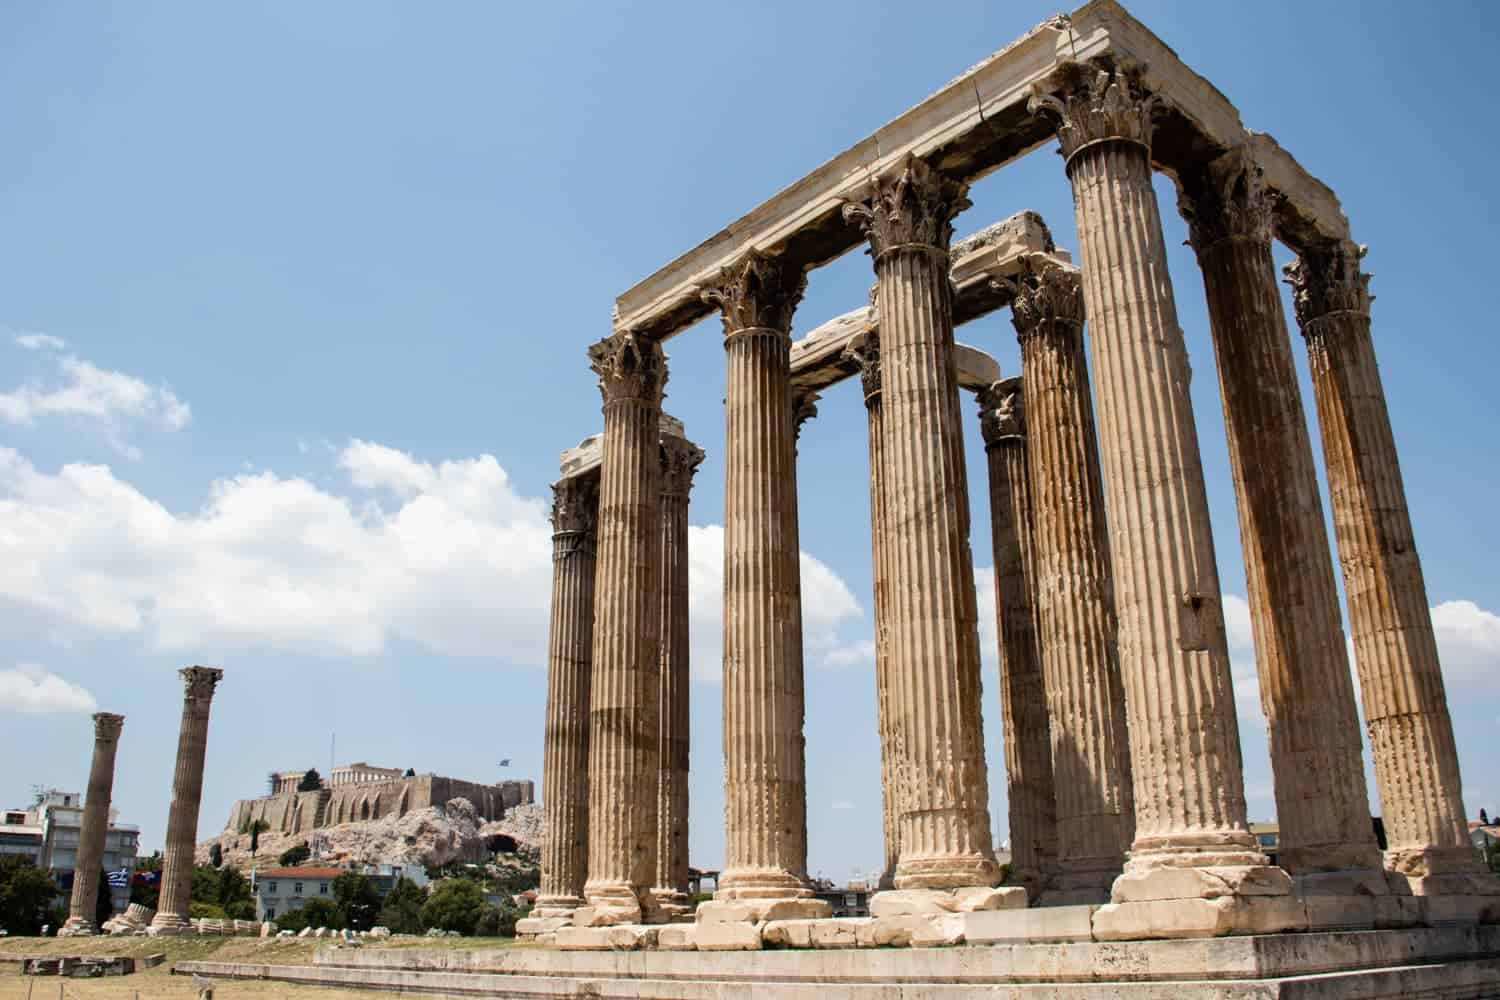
{"x": 1122, "y": 756}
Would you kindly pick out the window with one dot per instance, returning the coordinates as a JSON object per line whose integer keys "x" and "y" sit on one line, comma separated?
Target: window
{"x": 1266, "y": 839}
{"x": 322, "y": 888}
{"x": 297, "y": 888}
{"x": 270, "y": 887}
{"x": 271, "y": 913}
{"x": 850, "y": 899}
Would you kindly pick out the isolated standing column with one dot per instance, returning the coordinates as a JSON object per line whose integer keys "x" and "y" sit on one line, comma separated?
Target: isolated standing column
{"x": 174, "y": 907}
{"x": 90, "y": 854}
{"x": 570, "y": 649}
{"x": 934, "y": 619}
{"x": 1023, "y": 697}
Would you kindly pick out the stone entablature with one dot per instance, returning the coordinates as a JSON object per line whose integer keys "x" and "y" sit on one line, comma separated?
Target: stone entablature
{"x": 304, "y": 812}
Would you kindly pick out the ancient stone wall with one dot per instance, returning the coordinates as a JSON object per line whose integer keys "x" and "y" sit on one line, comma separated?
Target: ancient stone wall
{"x": 303, "y": 812}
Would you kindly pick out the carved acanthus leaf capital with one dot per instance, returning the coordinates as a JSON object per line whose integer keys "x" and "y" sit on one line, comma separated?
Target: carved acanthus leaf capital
{"x": 575, "y": 504}
{"x": 804, "y": 408}
{"x": 757, "y": 292}
{"x": 199, "y": 682}
{"x": 680, "y": 458}
{"x": 630, "y": 367}
{"x": 1094, "y": 105}
{"x": 913, "y": 208}
{"x": 866, "y": 354}
{"x": 1002, "y": 411}
{"x": 1226, "y": 200}
{"x": 1328, "y": 281}
{"x": 1046, "y": 297}
{"x": 107, "y": 726}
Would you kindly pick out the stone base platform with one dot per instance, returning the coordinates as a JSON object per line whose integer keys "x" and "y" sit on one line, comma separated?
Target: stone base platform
{"x": 1452, "y": 963}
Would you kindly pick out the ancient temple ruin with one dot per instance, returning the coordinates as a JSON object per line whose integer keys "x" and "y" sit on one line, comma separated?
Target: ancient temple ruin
{"x": 1122, "y": 751}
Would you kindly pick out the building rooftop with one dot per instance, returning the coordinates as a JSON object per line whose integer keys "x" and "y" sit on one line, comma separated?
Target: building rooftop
{"x": 305, "y": 871}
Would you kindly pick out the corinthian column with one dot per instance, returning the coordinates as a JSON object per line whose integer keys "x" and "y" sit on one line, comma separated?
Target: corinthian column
{"x": 1023, "y": 696}
{"x": 867, "y": 354}
{"x": 173, "y": 909}
{"x": 1305, "y": 686}
{"x": 765, "y": 784}
{"x": 625, "y": 687}
{"x": 934, "y": 637}
{"x": 570, "y": 647}
{"x": 85, "y": 898}
{"x": 1075, "y": 595}
{"x": 680, "y": 459}
{"x": 1191, "y": 839}
{"x": 1400, "y": 681}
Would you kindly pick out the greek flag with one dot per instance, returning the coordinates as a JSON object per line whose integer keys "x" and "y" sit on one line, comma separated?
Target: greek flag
{"x": 119, "y": 879}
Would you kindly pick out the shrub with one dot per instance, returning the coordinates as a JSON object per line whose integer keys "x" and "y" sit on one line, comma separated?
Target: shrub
{"x": 401, "y": 911}
{"x": 358, "y": 902}
{"x": 312, "y": 781}
{"x": 294, "y": 856}
{"x": 455, "y": 905}
{"x": 314, "y": 913}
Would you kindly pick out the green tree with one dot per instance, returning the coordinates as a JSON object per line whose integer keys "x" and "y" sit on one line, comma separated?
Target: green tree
{"x": 314, "y": 913}
{"x": 312, "y": 781}
{"x": 455, "y": 905}
{"x": 401, "y": 912}
{"x": 141, "y": 891}
{"x": 205, "y": 885}
{"x": 26, "y": 892}
{"x": 255, "y": 831}
{"x": 293, "y": 856}
{"x": 234, "y": 895}
{"x": 357, "y": 899}
{"x": 499, "y": 921}
{"x": 216, "y": 855}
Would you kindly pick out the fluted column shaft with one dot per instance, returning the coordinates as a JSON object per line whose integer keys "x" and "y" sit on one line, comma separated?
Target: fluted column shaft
{"x": 174, "y": 906}
{"x": 1174, "y": 661}
{"x": 1075, "y": 594}
{"x": 868, "y": 356}
{"x": 679, "y": 460}
{"x": 765, "y": 783}
{"x": 933, "y": 639}
{"x": 1023, "y": 696}
{"x": 570, "y": 650}
{"x": 625, "y": 685}
{"x": 89, "y": 857}
{"x": 1395, "y": 651}
{"x": 1305, "y": 686}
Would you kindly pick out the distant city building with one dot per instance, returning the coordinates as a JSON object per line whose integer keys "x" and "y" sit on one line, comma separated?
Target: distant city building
{"x": 48, "y": 832}
{"x": 853, "y": 900}
{"x": 282, "y": 890}
{"x": 1267, "y": 838}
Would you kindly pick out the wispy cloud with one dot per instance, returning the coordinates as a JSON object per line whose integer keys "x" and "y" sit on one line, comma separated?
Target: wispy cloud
{"x": 112, "y": 400}
{"x": 32, "y": 689}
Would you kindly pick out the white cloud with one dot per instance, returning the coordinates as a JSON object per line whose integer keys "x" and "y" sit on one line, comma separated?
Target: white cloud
{"x": 29, "y": 688}
{"x": 112, "y": 400}
{"x": 1469, "y": 642}
{"x": 449, "y": 556}
{"x": 827, "y": 607}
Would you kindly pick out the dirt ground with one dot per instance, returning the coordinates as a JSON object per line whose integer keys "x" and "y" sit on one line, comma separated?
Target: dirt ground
{"x": 159, "y": 984}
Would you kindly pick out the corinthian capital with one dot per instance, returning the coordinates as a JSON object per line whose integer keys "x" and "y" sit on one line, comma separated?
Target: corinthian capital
{"x": 1328, "y": 281}
{"x": 913, "y": 208}
{"x": 680, "y": 458}
{"x": 629, "y": 367}
{"x": 1046, "y": 298}
{"x": 107, "y": 726}
{"x": 575, "y": 504}
{"x": 757, "y": 292}
{"x": 866, "y": 354}
{"x": 1226, "y": 199}
{"x": 804, "y": 408}
{"x": 199, "y": 682}
{"x": 1095, "y": 105}
{"x": 1002, "y": 411}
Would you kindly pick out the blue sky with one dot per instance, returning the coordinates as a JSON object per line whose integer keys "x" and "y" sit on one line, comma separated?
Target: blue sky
{"x": 295, "y": 299}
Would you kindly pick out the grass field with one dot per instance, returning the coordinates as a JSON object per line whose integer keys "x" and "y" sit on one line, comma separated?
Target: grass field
{"x": 159, "y": 984}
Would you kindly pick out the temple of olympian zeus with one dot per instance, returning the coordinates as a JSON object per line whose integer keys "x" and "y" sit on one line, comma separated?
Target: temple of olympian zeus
{"x": 1127, "y": 806}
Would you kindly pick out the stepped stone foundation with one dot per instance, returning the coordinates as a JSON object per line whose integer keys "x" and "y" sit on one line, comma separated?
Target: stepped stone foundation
{"x": 1124, "y": 771}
